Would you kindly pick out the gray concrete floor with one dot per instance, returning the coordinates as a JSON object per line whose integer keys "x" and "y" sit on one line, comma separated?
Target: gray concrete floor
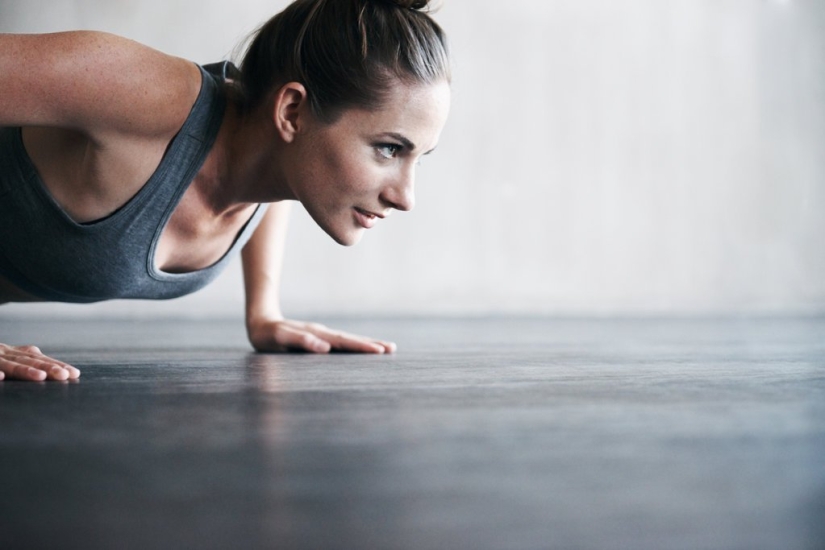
{"x": 480, "y": 434}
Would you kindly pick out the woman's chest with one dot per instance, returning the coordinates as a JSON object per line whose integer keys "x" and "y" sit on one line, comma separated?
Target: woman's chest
{"x": 194, "y": 238}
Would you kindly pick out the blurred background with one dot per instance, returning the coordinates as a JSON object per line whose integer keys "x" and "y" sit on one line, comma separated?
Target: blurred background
{"x": 603, "y": 157}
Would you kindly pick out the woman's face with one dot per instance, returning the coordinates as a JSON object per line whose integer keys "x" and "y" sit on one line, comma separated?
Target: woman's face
{"x": 352, "y": 173}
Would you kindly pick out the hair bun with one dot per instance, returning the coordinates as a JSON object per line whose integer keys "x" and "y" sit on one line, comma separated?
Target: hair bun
{"x": 410, "y": 4}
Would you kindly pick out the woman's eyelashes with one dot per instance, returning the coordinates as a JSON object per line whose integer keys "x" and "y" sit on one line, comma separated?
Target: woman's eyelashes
{"x": 388, "y": 150}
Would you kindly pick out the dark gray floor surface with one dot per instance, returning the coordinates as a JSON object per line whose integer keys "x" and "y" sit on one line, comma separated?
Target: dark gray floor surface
{"x": 479, "y": 434}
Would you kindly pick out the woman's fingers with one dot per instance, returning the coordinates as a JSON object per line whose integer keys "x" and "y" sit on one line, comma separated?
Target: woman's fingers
{"x": 344, "y": 341}
{"x": 15, "y": 369}
{"x": 313, "y": 337}
{"x": 29, "y": 363}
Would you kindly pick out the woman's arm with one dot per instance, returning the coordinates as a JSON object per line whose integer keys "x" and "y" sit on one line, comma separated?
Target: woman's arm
{"x": 265, "y": 324}
{"x": 97, "y": 83}
{"x": 112, "y": 91}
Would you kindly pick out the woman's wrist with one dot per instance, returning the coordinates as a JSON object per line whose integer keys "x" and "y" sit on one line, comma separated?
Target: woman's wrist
{"x": 258, "y": 317}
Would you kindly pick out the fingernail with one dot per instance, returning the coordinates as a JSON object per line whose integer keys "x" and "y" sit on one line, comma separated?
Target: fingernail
{"x": 38, "y": 374}
{"x": 59, "y": 373}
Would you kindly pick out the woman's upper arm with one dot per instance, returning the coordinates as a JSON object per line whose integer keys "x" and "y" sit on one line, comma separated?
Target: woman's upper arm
{"x": 93, "y": 82}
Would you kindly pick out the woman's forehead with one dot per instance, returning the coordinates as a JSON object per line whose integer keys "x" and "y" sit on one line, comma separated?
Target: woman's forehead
{"x": 417, "y": 112}
{"x": 417, "y": 101}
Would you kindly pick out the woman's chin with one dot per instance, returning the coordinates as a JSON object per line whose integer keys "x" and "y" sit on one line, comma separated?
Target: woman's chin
{"x": 345, "y": 234}
{"x": 349, "y": 237}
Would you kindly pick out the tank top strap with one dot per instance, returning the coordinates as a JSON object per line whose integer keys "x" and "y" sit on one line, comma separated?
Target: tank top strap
{"x": 225, "y": 70}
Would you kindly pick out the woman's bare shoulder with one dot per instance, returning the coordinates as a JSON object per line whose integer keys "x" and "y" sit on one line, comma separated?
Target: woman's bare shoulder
{"x": 97, "y": 83}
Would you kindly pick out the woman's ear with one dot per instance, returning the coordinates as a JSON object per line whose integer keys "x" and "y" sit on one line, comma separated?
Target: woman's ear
{"x": 290, "y": 109}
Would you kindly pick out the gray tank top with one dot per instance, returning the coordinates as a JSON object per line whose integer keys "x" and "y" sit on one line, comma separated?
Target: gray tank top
{"x": 47, "y": 254}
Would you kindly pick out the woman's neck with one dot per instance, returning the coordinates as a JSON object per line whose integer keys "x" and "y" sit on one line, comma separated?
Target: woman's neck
{"x": 243, "y": 167}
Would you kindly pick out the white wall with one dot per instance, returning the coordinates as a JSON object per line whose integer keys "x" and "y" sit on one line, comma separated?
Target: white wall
{"x": 603, "y": 156}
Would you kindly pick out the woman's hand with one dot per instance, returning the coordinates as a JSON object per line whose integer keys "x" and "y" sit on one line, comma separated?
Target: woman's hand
{"x": 266, "y": 327}
{"x": 29, "y": 363}
{"x": 286, "y": 335}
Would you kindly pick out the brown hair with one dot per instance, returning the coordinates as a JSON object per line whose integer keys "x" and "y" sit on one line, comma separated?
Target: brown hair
{"x": 347, "y": 53}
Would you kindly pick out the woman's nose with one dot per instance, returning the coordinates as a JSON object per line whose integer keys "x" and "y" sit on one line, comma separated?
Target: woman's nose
{"x": 401, "y": 193}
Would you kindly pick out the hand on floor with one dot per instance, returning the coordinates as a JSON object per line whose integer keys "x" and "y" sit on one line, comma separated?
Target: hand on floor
{"x": 29, "y": 363}
{"x": 286, "y": 335}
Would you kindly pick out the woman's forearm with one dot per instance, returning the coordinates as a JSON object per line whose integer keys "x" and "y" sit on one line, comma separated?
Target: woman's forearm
{"x": 262, "y": 261}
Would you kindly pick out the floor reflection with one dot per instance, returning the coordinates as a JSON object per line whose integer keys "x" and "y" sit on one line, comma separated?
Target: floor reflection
{"x": 264, "y": 372}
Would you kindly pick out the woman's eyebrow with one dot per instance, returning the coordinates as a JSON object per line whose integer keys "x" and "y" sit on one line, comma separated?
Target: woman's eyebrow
{"x": 404, "y": 141}
{"x": 409, "y": 145}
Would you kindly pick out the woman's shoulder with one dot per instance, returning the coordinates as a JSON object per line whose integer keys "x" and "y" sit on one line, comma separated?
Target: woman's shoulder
{"x": 97, "y": 83}
{"x": 98, "y": 112}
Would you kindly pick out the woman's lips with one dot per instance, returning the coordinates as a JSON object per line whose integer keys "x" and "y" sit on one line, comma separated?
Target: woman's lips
{"x": 364, "y": 218}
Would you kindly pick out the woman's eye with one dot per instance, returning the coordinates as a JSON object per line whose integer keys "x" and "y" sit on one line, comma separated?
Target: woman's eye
{"x": 388, "y": 150}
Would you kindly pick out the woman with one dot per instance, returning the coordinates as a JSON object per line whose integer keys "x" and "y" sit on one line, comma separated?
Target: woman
{"x": 127, "y": 173}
